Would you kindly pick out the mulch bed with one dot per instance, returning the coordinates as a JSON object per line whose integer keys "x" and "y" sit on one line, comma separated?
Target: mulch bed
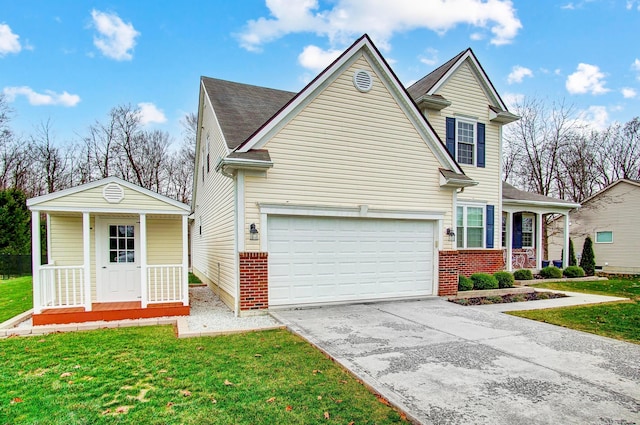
{"x": 511, "y": 298}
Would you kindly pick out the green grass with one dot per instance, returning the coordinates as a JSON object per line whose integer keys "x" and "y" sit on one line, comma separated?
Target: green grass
{"x": 147, "y": 376}
{"x": 16, "y": 296}
{"x": 615, "y": 320}
{"x": 193, "y": 279}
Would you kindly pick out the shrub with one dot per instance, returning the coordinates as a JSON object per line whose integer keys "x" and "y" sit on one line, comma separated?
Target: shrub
{"x": 573, "y": 271}
{"x": 551, "y": 272}
{"x": 588, "y": 259}
{"x": 523, "y": 274}
{"x": 572, "y": 254}
{"x": 464, "y": 283}
{"x": 484, "y": 281}
{"x": 543, "y": 295}
{"x": 505, "y": 279}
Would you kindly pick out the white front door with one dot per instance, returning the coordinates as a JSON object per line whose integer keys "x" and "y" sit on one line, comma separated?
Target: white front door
{"x": 118, "y": 260}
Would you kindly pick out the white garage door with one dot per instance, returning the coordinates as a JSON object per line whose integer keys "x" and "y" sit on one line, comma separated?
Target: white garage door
{"x": 328, "y": 259}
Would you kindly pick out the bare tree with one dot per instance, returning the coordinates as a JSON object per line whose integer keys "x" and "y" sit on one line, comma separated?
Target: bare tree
{"x": 53, "y": 163}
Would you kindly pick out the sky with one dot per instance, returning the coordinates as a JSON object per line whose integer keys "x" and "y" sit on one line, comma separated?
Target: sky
{"x": 69, "y": 62}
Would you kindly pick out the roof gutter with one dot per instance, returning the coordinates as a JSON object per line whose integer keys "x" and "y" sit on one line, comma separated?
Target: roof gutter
{"x": 567, "y": 205}
{"x": 228, "y": 166}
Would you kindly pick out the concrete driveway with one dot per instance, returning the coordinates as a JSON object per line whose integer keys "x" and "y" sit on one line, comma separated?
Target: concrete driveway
{"x": 447, "y": 364}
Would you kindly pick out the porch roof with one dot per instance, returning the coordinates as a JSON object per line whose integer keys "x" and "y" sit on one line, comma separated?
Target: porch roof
{"x": 109, "y": 195}
{"x": 522, "y": 199}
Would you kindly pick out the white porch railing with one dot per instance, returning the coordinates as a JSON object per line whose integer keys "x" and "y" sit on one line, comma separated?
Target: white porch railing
{"x": 61, "y": 286}
{"x": 165, "y": 284}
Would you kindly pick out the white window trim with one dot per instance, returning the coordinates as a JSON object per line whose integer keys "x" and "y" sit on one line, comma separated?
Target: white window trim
{"x": 595, "y": 238}
{"x": 533, "y": 230}
{"x": 475, "y": 140}
{"x": 464, "y": 206}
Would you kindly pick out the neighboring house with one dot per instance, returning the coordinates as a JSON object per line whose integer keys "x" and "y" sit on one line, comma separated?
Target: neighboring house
{"x": 609, "y": 217}
{"x": 353, "y": 189}
{"x": 115, "y": 251}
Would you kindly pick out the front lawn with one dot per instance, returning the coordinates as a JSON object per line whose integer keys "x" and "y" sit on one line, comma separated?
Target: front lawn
{"x": 16, "y": 296}
{"x": 147, "y": 376}
{"x": 614, "y": 320}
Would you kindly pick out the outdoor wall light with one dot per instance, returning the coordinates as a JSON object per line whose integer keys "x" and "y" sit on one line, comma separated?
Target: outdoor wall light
{"x": 451, "y": 234}
{"x": 253, "y": 232}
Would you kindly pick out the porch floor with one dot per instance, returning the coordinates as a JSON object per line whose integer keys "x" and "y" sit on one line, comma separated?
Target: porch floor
{"x": 109, "y": 312}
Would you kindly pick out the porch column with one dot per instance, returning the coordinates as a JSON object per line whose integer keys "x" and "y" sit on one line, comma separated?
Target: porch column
{"x": 565, "y": 256}
{"x": 86, "y": 248}
{"x": 539, "y": 241}
{"x": 35, "y": 260}
{"x": 509, "y": 241}
{"x": 185, "y": 261}
{"x": 144, "y": 299}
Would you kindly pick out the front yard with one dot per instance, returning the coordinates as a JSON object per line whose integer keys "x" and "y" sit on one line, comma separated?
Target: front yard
{"x": 614, "y": 320}
{"x": 16, "y": 296}
{"x": 147, "y": 376}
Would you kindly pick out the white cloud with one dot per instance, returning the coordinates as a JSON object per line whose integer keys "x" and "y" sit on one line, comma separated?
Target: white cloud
{"x": 632, "y": 3}
{"x": 316, "y": 59}
{"x": 512, "y": 99}
{"x": 430, "y": 58}
{"x": 595, "y": 117}
{"x": 636, "y": 67}
{"x": 9, "y": 42}
{"x": 477, "y": 36}
{"x": 586, "y": 79}
{"x": 568, "y": 6}
{"x": 115, "y": 39}
{"x": 628, "y": 92}
{"x": 149, "y": 113}
{"x": 381, "y": 19}
{"x": 518, "y": 73}
{"x": 49, "y": 97}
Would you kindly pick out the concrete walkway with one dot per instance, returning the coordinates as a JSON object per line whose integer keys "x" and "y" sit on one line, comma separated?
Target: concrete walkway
{"x": 209, "y": 317}
{"x": 447, "y": 364}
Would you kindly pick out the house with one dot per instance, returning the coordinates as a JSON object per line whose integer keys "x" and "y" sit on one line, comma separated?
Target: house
{"x": 115, "y": 251}
{"x": 352, "y": 189}
{"x": 609, "y": 218}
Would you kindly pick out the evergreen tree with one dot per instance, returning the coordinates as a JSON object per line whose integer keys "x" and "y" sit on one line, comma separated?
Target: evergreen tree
{"x": 572, "y": 254}
{"x": 588, "y": 259}
{"x": 15, "y": 222}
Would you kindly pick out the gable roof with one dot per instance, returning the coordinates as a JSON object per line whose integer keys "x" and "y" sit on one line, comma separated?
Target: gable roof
{"x": 33, "y": 203}
{"x": 615, "y": 183}
{"x": 365, "y": 45}
{"x": 429, "y": 84}
{"x": 242, "y": 108}
{"x": 426, "y": 83}
{"x": 511, "y": 193}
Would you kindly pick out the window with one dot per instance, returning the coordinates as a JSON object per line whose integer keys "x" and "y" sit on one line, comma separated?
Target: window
{"x": 527, "y": 231}
{"x": 466, "y": 141}
{"x": 604, "y": 237}
{"x": 121, "y": 244}
{"x": 504, "y": 230}
{"x": 470, "y": 226}
{"x": 208, "y": 154}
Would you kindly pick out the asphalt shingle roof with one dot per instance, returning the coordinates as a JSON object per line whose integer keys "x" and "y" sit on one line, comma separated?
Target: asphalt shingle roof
{"x": 242, "y": 109}
{"x": 426, "y": 83}
{"x": 512, "y": 193}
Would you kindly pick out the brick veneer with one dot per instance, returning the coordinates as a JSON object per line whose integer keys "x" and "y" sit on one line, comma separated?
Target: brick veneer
{"x": 480, "y": 261}
{"x": 448, "y": 272}
{"x": 254, "y": 280}
{"x": 465, "y": 262}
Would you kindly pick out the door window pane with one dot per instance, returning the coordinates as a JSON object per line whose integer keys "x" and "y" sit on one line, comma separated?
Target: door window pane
{"x": 121, "y": 244}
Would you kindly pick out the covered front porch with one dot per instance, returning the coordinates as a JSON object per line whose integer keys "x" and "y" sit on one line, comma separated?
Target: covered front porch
{"x": 523, "y": 228}
{"x": 114, "y": 251}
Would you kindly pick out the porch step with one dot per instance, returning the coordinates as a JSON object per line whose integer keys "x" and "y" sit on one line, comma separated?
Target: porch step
{"x": 108, "y": 312}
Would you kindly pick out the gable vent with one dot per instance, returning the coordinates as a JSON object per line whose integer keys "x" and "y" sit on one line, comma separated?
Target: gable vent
{"x": 362, "y": 80}
{"x": 113, "y": 193}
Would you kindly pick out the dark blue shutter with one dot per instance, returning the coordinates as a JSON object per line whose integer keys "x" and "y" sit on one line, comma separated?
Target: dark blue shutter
{"x": 481, "y": 148}
{"x": 517, "y": 230}
{"x": 490, "y": 225}
{"x": 451, "y": 136}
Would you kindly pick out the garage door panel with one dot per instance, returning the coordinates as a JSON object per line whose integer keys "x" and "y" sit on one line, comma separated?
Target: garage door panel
{"x": 322, "y": 259}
